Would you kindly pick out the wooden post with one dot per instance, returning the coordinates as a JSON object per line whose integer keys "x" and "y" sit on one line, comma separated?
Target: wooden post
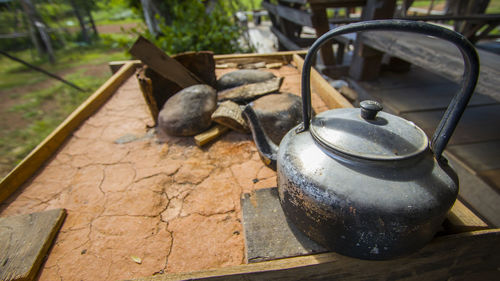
{"x": 320, "y": 23}
{"x": 366, "y": 61}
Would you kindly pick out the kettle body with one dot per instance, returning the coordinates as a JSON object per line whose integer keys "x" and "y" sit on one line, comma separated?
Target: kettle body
{"x": 363, "y": 208}
{"x": 362, "y": 182}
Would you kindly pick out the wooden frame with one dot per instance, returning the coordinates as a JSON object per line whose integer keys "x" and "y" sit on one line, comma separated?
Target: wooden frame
{"x": 467, "y": 248}
{"x": 31, "y": 163}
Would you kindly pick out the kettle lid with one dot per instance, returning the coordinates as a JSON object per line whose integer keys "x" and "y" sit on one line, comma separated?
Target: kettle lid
{"x": 368, "y": 133}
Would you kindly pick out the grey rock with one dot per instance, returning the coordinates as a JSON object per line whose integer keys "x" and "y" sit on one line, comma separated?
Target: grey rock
{"x": 189, "y": 111}
{"x": 278, "y": 113}
{"x": 242, "y": 77}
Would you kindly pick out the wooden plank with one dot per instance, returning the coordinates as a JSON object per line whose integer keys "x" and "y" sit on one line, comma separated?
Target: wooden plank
{"x": 445, "y": 258}
{"x": 268, "y": 235}
{"x": 437, "y": 56}
{"x": 297, "y": 16}
{"x": 209, "y": 135}
{"x": 461, "y": 219}
{"x": 476, "y": 125}
{"x": 201, "y": 64}
{"x": 164, "y": 65}
{"x": 285, "y": 56}
{"x": 331, "y": 97}
{"x": 302, "y": 2}
{"x": 271, "y": 8}
{"x": 114, "y": 66}
{"x": 338, "y": 3}
{"x": 37, "y": 157}
{"x": 474, "y": 192}
{"x": 146, "y": 86}
{"x": 321, "y": 25}
{"x": 478, "y": 156}
{"x": 288, "y": 43}
{"x": 366, "y": 62}
{"x": 492, "y": 177}
{"x": 419, "y": 95}
{"x": 24, "y": 242}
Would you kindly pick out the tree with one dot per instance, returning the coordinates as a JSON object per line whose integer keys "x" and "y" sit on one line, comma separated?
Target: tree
{"x": 80, "y": 9}
{"x": 38, "y": 30}
{"x": 191, "y": 25}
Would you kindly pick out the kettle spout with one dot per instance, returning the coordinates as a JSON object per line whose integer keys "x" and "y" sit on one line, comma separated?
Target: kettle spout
{"x": 267, "y": 149}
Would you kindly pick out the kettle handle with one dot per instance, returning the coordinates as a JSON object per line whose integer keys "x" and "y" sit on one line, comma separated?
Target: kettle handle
{"x": 457, "y": 105}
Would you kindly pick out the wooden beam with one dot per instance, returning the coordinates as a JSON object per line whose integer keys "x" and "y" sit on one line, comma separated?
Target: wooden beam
{"x": 285, "y": 56}
{"x": 331, "y": 97}
{"x": 493, "y": 18}
{"x": 461, "y": 219}
{"x": 288, "y": 43}
{"x": 271, "y": 8}
{"x": 297, "y": 16}
{"x": 437, "y": 56}
{"x": 114, "y": 66}
{"x": 209, "y": 135}
{"x": 366, "y": 62}
{"x": 31, "y": 163}
{"x": 321, "y": 25}
{"x": 466, "y": 256}
{"x": 25, "y": 241}
{"x": 338, "y": 3}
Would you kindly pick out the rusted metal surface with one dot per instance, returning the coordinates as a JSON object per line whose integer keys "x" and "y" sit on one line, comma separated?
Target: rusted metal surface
{"x": 368, "y": 186}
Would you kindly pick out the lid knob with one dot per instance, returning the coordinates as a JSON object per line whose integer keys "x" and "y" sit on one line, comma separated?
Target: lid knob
{"x": 369, "y": 109}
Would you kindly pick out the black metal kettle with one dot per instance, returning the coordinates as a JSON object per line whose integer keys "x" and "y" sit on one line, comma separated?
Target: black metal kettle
{"x": 360, "y": 181}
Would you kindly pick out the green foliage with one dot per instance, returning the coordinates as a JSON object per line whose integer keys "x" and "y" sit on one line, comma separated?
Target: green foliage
{"x": 193, "y": 29}
{"x": 115, "y": 11}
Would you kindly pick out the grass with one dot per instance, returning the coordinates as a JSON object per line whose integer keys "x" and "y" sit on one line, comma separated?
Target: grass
{"x": 41, "y": 107}
{"x": 493, "y": 7}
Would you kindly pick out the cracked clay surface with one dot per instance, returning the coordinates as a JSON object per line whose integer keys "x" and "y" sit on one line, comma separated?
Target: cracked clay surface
{"x": 173, "y": 205}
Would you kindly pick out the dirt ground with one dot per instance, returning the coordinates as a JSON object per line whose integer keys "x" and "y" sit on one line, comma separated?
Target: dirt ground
{"x": 11, "y": 120}
{"x": 171, "y": 204}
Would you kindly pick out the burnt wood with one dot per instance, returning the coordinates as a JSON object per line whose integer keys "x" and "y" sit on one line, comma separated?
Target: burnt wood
{"x": 160, "y": 62}
{"x": 201, "y": 64}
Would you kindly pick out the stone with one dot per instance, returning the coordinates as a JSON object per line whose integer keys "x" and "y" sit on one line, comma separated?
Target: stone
{"x": 278, "y": 113}
{"x": 189, "y": 111}
{"x": 242, "y": 77}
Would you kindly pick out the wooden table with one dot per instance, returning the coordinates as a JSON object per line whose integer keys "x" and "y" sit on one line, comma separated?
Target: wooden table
{"x": 467, "y": 247}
